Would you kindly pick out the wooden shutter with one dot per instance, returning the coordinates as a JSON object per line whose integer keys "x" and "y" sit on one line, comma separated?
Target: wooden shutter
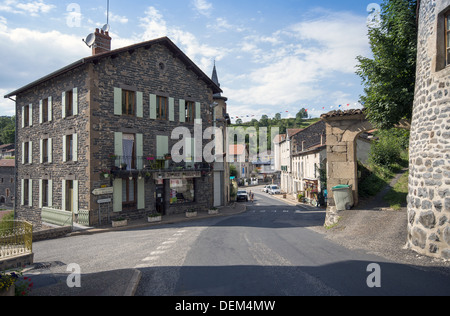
{"x": 22, "y": 195}
{"x": 153, "y": 106}
{"x": 139, "y": 150}
{"x": 30, "y": 153}
{"x": 198, "y": 111}
{"x": 31, "y": 115}
{"x": 30, "y": 192}
{"x": 117, "y": 195}
{"x": 162, "y": 145}
{"x": 63, "y": 104}
{"x": 139, "y": 104}
{"x": 23, "y": 116}
{"x": 75, "y": 101}
{"x": 75, "y": 147}
{"x": 75, "y": 197}
{"x": 41, "y": 151}
{"x": 41, "y": 112}
{"x": 50, "y": 150}
{"x": 50, "y": 109}
{"x": 117, "y": 101}
{"x": 118, "y": 147}
{"x": 141, "y": 194}
{"x": 63, "y": 196}
{"x": 171, "y": 109}
{"x": 182, "y": 111}
{"x": 50, "y": 193}
{"x": 64, "y": 138}
{"x": 40, "y": 193}
{"x": 23, "y": 153}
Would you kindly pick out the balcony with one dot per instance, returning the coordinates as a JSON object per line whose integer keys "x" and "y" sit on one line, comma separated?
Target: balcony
{"x": 136, "y": 167}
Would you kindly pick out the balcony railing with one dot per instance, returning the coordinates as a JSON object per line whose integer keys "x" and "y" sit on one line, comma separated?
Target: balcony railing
{"x": 16, "y": 238}
{"x": 125, "y": 165}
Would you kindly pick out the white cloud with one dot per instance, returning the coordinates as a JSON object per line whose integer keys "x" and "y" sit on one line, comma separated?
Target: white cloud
{"x": 203, "y": 7}
{"x": 296, "y": 63}
{"x": 155, "y": 26}
{"x": 33, "y": 8}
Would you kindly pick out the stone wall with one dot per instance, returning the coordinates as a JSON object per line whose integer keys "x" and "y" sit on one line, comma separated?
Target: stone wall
{"x": 429, "y": 182}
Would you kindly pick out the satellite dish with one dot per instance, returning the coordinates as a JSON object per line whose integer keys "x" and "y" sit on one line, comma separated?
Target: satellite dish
{"x": 106, "y": 28}
{"x": 90, "y": 40}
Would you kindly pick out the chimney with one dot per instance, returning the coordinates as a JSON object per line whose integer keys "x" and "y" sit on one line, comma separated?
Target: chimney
{"x": 102, "y": 42}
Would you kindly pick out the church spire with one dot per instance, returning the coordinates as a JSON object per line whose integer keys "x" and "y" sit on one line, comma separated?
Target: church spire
{"x": 214, "y": 77}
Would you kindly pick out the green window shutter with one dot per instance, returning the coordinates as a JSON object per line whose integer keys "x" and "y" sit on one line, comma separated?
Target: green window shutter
{"x": 182, "y": 111}
{"x": 75, "y": 101}
{"x": 22, "y": 195}
{"x": 50, "y": 109}
{"x": 41, "y": 151}
{"x": 117, "y": 195}
{"x": 171, "y": 109}
{"x": 31, "y": 115}
{"x": 75, "y": 197}
{"x": 139, "y": 104}
{"x": 118, "y": 147}
{"x": 63, "y": 104}
{"x": 75, "y": 147}
{"x": 64, "y": 148}
{"x": 153, "y": 106}
{"x": 141, "y": 194}
{"x": 30, "y": 153}
{"x": 23, "y": 116}
{"x": 139, "y": 150}
{"x": 40, "y": 193}
{"x": 162, "y": 145}
{"x": 50, "y": 150}
{"x": 40, "y": 112}
{"x": 50, "y": 193}
{"x": 117, "y": 101}
{"x": 30, "y": 193}
{"x": 63, "y": 196}
{"x": 198, "y": 111}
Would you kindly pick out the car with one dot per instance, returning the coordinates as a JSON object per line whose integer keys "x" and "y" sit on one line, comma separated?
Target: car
{"x": 266, "y": 188}
{"x": 242, "y": 195}
{"x": 274, "y": 189}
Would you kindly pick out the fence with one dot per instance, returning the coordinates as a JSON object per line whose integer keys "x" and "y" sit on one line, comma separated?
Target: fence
{"x": 16, "y": 238}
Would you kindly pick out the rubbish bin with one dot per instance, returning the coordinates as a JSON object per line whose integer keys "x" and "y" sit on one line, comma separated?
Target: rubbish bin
{"x": 343, "y": 197}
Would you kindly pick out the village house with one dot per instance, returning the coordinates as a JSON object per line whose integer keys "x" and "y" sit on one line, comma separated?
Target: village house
{"x": 94, "y": 138}
{"x": 304, "y": 160}
{"x": 7, "y": 182}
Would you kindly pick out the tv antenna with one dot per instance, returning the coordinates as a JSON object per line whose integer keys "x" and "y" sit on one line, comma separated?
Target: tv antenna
{"x": 106, "y": 27}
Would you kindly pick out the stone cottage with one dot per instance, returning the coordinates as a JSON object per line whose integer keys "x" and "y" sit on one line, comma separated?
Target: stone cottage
{"x": 94, "y": 138}
{"x": 429, "y": 181}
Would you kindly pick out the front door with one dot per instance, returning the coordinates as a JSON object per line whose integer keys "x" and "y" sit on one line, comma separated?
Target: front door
{"x": 160, "y": 201}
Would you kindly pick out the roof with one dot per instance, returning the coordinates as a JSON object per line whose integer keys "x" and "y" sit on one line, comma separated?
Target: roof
{"x": 7, "y": 163}
{"x": 237, "y": 150}
{"x": 94, "y": 59}
{"x": 340, "y": 113}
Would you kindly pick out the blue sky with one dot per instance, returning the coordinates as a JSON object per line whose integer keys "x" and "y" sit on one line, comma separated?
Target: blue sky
{"x": 271, "y": 56}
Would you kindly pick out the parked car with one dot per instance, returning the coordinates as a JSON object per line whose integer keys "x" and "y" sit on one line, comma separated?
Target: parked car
{"x": 274, "y": 189}
{"x": 242, "y": 195}
{"x": 266, "y": 188}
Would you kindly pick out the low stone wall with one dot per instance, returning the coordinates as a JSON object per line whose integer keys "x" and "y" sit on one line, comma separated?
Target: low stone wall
{"x": 53, "y": 233}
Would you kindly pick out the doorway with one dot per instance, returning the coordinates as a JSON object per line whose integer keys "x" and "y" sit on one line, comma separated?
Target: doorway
{"x": 160, "y": 200}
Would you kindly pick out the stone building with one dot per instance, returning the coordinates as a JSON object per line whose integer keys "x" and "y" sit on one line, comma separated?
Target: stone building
{"x": 429, "y": 182}
{"x": 93, "y": 137}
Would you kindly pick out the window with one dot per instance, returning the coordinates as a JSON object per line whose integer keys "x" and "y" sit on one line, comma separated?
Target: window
{"x": 25, "y": 192}
{"x": 190, "y": 106}
{"x": 182, "y": 191}
{"x": 69, "y": 103}
{"x": 161, "y": 108}
{"x": 44, "y": 115}
{"x": 129, "y": 151}
{"x": 26, "y": 116}
{"x": 128, "y": 193}
{"x": 45, "y": 193}
{"x": 26, "y": 153}
{"x": 128, "y": 102}
{"x": 69, "y": 148}
{"x": 45, "y": 150}
{"x": 69, "y": 199}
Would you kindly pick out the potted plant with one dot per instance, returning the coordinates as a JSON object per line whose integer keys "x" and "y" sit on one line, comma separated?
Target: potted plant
{"x": 154, "y": 217}
{"x": 168, "y": 156}
{"x": 119, "y": 222}
{"x": 8, "y": 283}
{"x": 213, "y": 211}
{"x": 105, "y": 173}
{"x": 191, "y": 213}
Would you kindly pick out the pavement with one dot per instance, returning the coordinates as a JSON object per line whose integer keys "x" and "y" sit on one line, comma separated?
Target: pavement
{"x": 51, "y": 279}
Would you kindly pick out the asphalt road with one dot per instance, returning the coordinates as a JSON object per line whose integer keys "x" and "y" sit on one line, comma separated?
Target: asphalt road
{"x": 266, "y": 251}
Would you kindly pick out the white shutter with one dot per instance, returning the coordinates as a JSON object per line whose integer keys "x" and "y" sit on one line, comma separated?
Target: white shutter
{"x": 50, "y": 150}
{"x": 23, "y": 153}
{"x": 117, "y": 196}
{"x": 63, "y": 104}
{"x": 31, "y": 115}
{"x": 75, "y": 147}
{"x": 50, "y": 193}
{"x": 182, "y": 111}
{"x": 30, "y": 153}
{"x": 117, "y": 101}
{"x": 40, "y": 112}
{"x": 75, "y": 101}
{"x": 41, "y": 151}
{"x": 139, "y": 150}
{"x": 23, "y": 116}
{"x": 171, "y": 109}
{"x": 153, "y": 106}
{"x": 63, "y": 196}
{"x": 22, "y": 194}
{"x": 141, "y": 194}
{"x": 40, "y": 193}
{"x": 30, "y": 192}
{"x": 75, "y": 196}
{"x": 139, "y": 104}
{"x": 118, "y": 147}
{"x": 50, "y": 109}
{"x": 198, "y": 111}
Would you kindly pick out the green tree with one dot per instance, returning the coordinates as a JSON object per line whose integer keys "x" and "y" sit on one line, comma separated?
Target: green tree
{"x": 7, "y": 129}
{"x": 389, "y": 78}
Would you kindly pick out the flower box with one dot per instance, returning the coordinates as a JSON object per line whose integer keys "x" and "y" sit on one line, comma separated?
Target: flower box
{"x": 9, "y": 292}
{"x": 213, "y": 212}
{"x": 154, "y": 219}
{"x": 119, "y": 223}
{"x": 191, "y": 214}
